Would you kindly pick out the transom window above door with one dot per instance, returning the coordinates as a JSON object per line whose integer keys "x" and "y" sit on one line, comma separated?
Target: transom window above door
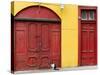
{"x": 88, "y": 15}
{"x": 84, "y": 15}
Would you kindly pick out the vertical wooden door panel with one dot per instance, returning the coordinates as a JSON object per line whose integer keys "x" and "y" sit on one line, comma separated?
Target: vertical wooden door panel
{"x": 33, "y": 50}
{"x": 45, "y": 37}
{"x": 20, "y": 46}
{"x": 44, "y": 44}
{"x": 88, "y": 51}
{"x": 55, "y": 44}
{"x": 84, "y": 41}
{"x": 20, "y": 42}
{"x": 32, "y": 35}
{"x": 92, "y": 36}
{"x": 91, "y": 41}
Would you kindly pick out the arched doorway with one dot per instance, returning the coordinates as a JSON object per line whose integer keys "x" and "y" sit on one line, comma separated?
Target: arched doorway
{"x": 37, "y": 39}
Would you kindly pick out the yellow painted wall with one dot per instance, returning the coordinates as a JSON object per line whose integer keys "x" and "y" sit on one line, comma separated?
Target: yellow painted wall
{"x": 69, "y": 29}
{"x": 69, "y": 36}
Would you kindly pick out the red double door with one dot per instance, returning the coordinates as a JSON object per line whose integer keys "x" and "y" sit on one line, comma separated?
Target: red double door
{"x": 88, "y": 43}
{"x": 37, "y": 45}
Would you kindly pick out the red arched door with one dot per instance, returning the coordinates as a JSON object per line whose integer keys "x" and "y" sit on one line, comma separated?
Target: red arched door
{"x": 36, "y": 39}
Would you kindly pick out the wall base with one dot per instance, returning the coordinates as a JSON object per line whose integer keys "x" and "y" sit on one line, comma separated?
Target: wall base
{"x": 61, "y": 69}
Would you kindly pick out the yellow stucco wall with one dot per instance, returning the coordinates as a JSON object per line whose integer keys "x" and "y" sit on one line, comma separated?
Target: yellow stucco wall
{"x": 69, "y": 36}
{"x": 69, "y": 29}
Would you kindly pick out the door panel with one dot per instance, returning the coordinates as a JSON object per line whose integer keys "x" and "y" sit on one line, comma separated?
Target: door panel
{"x": 33, "y": 61}
{"x": 32, "y": 35}
{"x": 20, "y": 46}
{"x": 37, "y": 45}
{"x": 45, "y": 61}
{"x": 55, "y": 44}
{"x": 20, "y": 42}
{"x": 84, "y": 41}
{"x": 45, "y": 38}
{"x": 40, "y": 33}
{"x": 88, "y": 51}
{"x": 92, "y": 38}
{"x": 45, "y": 49}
